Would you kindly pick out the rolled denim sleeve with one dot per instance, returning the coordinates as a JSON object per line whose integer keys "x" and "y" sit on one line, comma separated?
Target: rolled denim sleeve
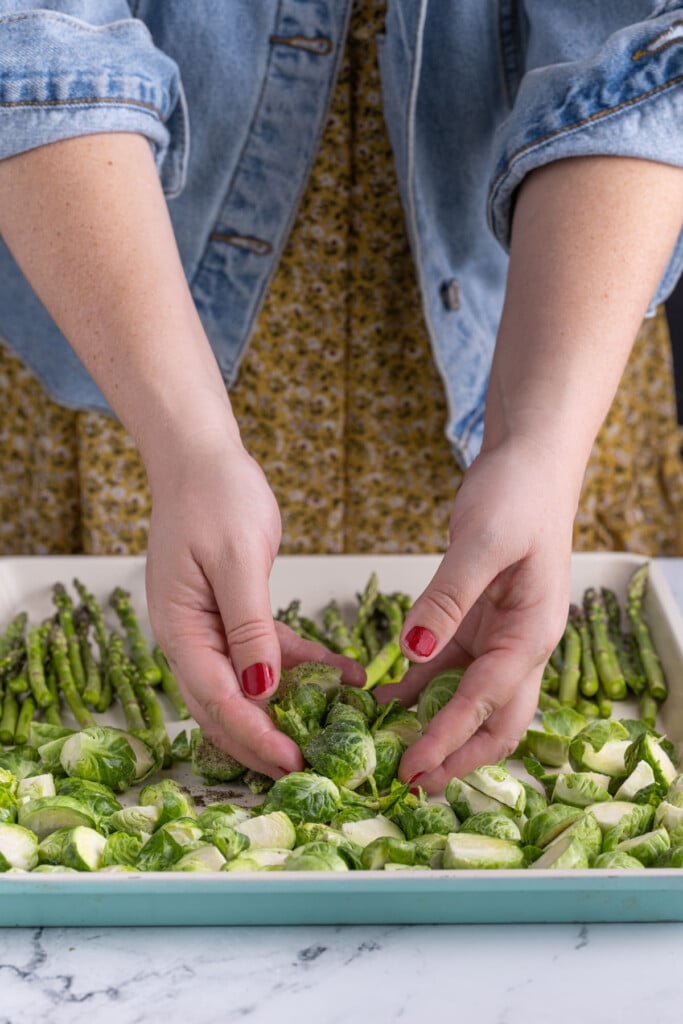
{"x": 78, "y": 67}
{"x": 622, "y": 96}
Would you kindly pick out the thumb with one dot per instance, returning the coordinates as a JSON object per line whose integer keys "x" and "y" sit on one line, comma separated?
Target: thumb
{"x": 467, "y": 569}
{"x": 253, "y": 647}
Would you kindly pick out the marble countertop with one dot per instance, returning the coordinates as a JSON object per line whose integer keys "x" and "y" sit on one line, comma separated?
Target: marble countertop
{"x": 489, "y": 974}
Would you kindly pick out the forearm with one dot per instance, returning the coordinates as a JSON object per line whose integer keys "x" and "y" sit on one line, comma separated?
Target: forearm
{"x": 87, "y": 222}
{"x": 591, "y": 237}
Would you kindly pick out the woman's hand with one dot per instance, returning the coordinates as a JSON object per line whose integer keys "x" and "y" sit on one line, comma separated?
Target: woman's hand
{"x": 497, "y": 604}
{"x": 214, "y": 533}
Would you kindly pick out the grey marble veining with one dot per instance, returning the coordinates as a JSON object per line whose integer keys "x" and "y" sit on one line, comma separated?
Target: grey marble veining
{"x": 493, "y": 974}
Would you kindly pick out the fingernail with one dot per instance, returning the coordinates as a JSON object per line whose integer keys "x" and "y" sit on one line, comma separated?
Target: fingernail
{"x": 421, "y": 641}
{"x": 414, "y": 779}
{"x": 285, "y": 771}
{"x": 415, "y": 791}
{"x": 257, "y": 679}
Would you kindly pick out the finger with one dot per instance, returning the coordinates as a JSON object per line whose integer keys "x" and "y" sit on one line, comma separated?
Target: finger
{"x": 213, "y": 694}
{"x": 296, "y": 649}
{"x": 241, "y": 592}
{"x": 467, "y": 569}
{"x": 488, "y": 685}
{"x": 497, "y": 738}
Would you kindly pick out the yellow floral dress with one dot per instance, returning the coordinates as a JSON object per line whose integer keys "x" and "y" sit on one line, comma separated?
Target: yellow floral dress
{"x": 338, "y": 397}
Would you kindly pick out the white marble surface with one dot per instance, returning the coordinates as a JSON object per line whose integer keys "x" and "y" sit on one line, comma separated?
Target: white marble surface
{"x": 524, "y": 974}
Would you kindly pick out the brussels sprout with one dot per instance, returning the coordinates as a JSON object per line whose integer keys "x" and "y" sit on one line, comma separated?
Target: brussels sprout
{"x": 18, "y": 847}
{"x": 148, "y": 751}
{"x": 377, "y": 853}
{"x": 228, "y": 840}
{"x": 545, "y": 825}
{"x": 647, "y": 748}
{"x": 8, "y": 781}
{"x": 401, "y": 721}
{"x": 315, "y": 832}
{"x": 616, "y": 859}
{"x": 114, "y": 869}
{"x": 220, "y": 815}
{"x": 465, "y": 850}
{"x": 99, "y": 799}
{"x": 435, "y": 819}
{"x": 389, "y": 750}
{"x": 581, "y": 789}
{"x": 535, "y": 801}
{"x": 122, "y": 848}
{"x": 304, "y": 796}
{"x": 53, "y": 869}
{"x": 135, "y": 819}
{"x": 610, "y": 814}
{"x": 498, "y": 826}
{"x": 363, "y": 832}
{"x": 257, "y": 782}
{"x": 48, "y": 813}
{"x": 563, "y": 722}
{"x": 35, "y": 786}
{"x": 437, "y": 694}
{"x": 168, "y": 844}
{"x": 640, "y": 786}
{"x": 390, "y": 866}
{"x": 212, "y": 763}
{"x": 100, "y": 754}
{"x": 343, "y": 751}
{"x": 586, "y": 831}
{"x": 258, "y": 860}
{"x": 171, "y": 798}
{"x": 675, "y": 858}
{"x": 180, "y": 747}
{"x": 550, "y": 750}
{"x": 50, "y": 753}
{"x": 356, "y": 812}
{"x": 80, "y": 848}
{"x": 566, "y": 853}
{"x": 648, "y": 847}
{"x": 466, "y": 800}
{"x": 600, "y": 747}
{"x": 273, "y": 830}
{"x": 44, "y": 732}
{"x": 325, "y": 677}
{"x": 315, "y": 857}
{"x": 8, "y": 806}
{"x": 635, "y": 823}
{"x": 668, "y": 816}
{"x": 204, "y": 858}
{"x": 290, "y": 723}
{"x": 429, "y": 850}
{"x": 495, "y": 781}
{"x": 21, "y": 762}
{"x": 362, "y": 700}
{"x": 675, "y": 790}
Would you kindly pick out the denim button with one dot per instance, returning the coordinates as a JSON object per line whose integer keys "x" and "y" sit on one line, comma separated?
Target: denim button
{"x": 450, "y": 294}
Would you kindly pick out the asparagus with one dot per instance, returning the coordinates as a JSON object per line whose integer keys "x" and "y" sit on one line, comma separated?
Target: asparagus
{"x": 96, "y": 617}
{"x": 609, "y": 671}
{"x": 656, "y": 683}
{"x": 19, "y": 682}
{"x": 362, "y": 631}
{"x": 338, "y": 632}
{"x": 8, "y": 722}
{"x": 65, "y": 611}
{"x": 550, "y": 681}
{"x": 93, "y": 678}
{"x": 12, "y": 644}
{"x": 120, "y": 680}
{"x": 629, "y": 660}
{"x": 147, "y": 667}
{"x": 588, "y": 682}
{"x": 36, "y": 649}
{"x": 390, "y": 651}
{"x": 571, "y": 666}
{"x": 24, "y": 719}
{"x": 52, "y": 712}
{"x": 59, "y": 648}
{"x": 169, "y": 684}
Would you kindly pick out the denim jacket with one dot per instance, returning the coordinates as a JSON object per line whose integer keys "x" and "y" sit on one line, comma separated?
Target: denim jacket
{"x": 232, "y": 96}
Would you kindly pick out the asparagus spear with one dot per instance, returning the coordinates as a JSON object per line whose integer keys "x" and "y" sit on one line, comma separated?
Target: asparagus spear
{"x": 96, "y": 618}
{"x": 571, "y": 666}
{"x": 120, "y": 681}
{"x": 147, "y": 667}
{"x": 24, "y": 719}
{"x": 630, "y": 665}
{"x": 609, "y": 670}
{"x": 656, "y": 683}
{"x": 8, "y": 722}
{"x": 588, "y": 682}
{"x": 93, "y": 678}
{"x": 18, "y": 682}
{"x": 59, "y": 648}
{"x": 65, "y": 610}
{"x": 52, "y": 712}
{"x": 390, "y": 651}
{"x": 338, "y": 632}
{"x": 169, "y": 684}
{"x": 36, "y": 649}
{"x": 12, "y": 644}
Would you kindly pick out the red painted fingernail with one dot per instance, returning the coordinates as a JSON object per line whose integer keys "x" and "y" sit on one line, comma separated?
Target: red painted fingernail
{"x": 421, "y": 641}
{"x": 415, "y": 791}
{"x": 285, "y": 771}
{"x": 415, "y": 778}
{"x": 257, "y": 679}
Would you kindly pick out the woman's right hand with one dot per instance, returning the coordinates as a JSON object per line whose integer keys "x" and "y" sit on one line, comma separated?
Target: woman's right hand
{"x": 214, "y": 533}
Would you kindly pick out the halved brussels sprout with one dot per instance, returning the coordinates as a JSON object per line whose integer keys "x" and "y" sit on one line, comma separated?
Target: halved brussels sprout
{"x": 581, "y": 789}
{"x": 18, "y": 847}
{"x": 648, "y": 847}
{"x": 203, "y": 858}
{"x": 465, "y": 850}
{"x": 498, "y": 826}
{"x": 315, "y": 857}
{"x": 48, "y": 813}
{"x": 100, "y": 754}
{"x": 496, "y": 782}
{"x": 364, "y": 832}
{"x": 304, "y": 796}
{"x": 273, "y": 830}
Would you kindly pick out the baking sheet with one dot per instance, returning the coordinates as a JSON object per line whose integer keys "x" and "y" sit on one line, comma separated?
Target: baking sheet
{"x": 357, "y": 897}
